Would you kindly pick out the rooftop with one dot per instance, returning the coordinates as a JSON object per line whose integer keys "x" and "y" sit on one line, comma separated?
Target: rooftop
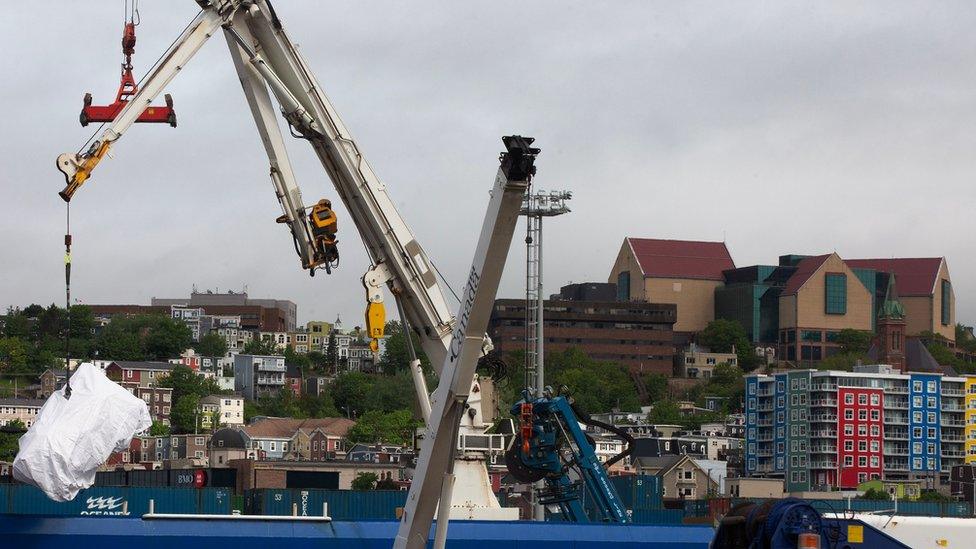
{"x": 804, "y": 270}
{"x": 144, "y": 365}
{"x": 277, "y": 427}
{"x": 681, "y": 258}
{"x": 916, "y": 276}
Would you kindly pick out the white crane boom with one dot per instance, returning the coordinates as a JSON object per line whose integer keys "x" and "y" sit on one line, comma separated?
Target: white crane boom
{"x": 265, "y": 59}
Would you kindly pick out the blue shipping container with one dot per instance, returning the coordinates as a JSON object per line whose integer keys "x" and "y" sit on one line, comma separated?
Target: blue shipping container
{"x": 115, "y": 501}
{"x": 639, "y": 491}
{"x": 343, "y": 504}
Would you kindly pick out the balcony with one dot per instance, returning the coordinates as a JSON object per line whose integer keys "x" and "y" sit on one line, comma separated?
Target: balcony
{"x": 823, "y": 433}
{"x": 765, "y": 407}
{"x": 823, "y": 449}
{"x": 765, "y": 453}
{"x": 764, "y": 469}
{"x": 949, "y": 438}
{"x": 765, "y": 423}
{"x": 896, "y": 404}
{"x": 896, "y": 434}
{"x": 764, "y": 392}
{"x": 823, "y": 387}
{"x": 897, "y": 389}
{"x": 823, "y": 418}
{"x": 951, "y": 422}
{"x": 823, "y": 464}
{"x": 896, "y": 450}
{"x": 895, "y": 419}
{"x": 953, "y": 392}
{"x": 952, "y": 408}
{"x": 829, "y": 402}
{"x": 953, "y": 453}
{"x": 896, "y": 465}
{"x": 765, "y": 437}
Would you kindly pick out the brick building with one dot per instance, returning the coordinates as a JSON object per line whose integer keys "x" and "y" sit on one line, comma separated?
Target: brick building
{"x": 634, "y": 334}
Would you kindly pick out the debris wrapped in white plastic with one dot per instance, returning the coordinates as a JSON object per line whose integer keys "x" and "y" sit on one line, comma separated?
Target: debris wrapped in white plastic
{"x": 71, "y": 437}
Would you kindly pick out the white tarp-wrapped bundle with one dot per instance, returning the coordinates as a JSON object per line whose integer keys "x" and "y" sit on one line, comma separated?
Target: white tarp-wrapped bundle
{"x": 71, "y": 437}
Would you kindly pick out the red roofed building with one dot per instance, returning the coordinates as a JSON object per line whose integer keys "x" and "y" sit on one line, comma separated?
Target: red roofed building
{"x": 925, "y": 290}
{"x": 682, "y": 272}
{"x": 821, "y": 298}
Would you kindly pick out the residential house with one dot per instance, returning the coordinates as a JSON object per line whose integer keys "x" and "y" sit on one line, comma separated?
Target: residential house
{"x": 318, "y": 332}
{"x": 143, "y": 373}
{"x": 159, "y": 400}
{"x": 299, "y": 341}
{"x": 326, "y": 445}
{"x": 697, "y": 362}
{"x": 316, "y": 385}
{"x": 680, "y": 476}
{"x": 294, "y": 379}
{"x": 376, "y": 453}
{"x": 228, "y": 409}
{"x": 273, "y": 437}
{"x": 23, "y": 409}
{"x": 191, "y": 447}
{"x": 229, "y": 444}
{"x": 257, "y": 376}
{"x": 51, "y": 380}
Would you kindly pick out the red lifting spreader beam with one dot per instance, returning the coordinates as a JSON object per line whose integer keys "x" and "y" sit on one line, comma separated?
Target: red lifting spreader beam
{"x": 128, "y": 88}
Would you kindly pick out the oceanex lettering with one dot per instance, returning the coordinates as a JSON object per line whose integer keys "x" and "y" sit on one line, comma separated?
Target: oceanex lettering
{"x": 474, "y": 278}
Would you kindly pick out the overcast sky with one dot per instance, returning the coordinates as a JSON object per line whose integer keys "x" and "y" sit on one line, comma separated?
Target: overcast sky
{"x": 782, "y": 128}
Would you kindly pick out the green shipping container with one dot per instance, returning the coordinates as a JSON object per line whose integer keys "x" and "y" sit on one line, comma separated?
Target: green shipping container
{"x": 342, "y": 504}
{"x": 639, "y": 491}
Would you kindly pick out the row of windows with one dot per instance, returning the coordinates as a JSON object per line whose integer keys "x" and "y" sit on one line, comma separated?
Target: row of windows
{"x": 862, "y": 446}
{"x": 862, "y": 398}
{"x": 862, "y": 461}
{"x": 835, "y": 294}
{"x": 862, "y": 415}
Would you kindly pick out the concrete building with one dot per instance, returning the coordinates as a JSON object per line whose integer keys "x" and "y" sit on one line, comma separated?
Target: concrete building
{"x": 632, "y": 334}
{"x": 685, "y": 273}
{"x": 258, "y": 376}
{"x": 286, "y": 318}
{"x": 746, "y": 487}
{"x": 698, "y": 363}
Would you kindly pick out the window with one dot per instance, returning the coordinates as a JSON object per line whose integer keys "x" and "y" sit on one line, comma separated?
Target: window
{"x": 862, "y": 461}
{"x": 862, "y": 399}
{"x": 875, "y": 400}
{"x": 931, "y": 432}
{"x": 849, "y": 398}
{"x": 875, "y": 415}
{"x": 917, "y": 387}
{"x": 946, "y": 302}
{"x": 862, "y": 415}
{"x": 931, "y": 464}
{"x": 916, "y": 417}
{"x": 916, "y": 432}
{"x": 931, "y": 448}
{"x": 917, "y": 402}
{"x": 198, "y": 441}
{"x": 862, "y": 446}
{"x": 874, "y": 446}
{"x": 917, "y": 463}
{"x": 848, "y": 414}
{"x": 931, "y": 387}
{"x": 916, "y": 447}
{"x": 931, "y": 402}
{"x": 848, "y": 430}
{"x": 623, "y": 286}
{"x": 875, "y": 431}
{"x": 274, "y": 446}
{"x": 862, "y": 430}
{"x": 836, "y": 294}
{"x": 848, "y": 461}
{"x": 689, "y": 475}
{"x": 848, "y": 445}
{"x": 931, "y": 417}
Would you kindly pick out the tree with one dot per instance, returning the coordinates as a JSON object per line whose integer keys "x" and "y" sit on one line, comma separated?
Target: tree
{"x": 317, "y": 360}
{"x": 261, "y": 347}
{"x": 396, "y": 355}
{"x": 183, "y": 414}
{"x": 332, "y": 352}
{"x": 374, "y": 427}
{"x": 351, "y": 391}
{"x": 665, "y": 412}
{"x": 933, "y": 495}
{"x": 166, "y": 338}
{"x": 387, "y": 484}
{"x": 722, "y": 336}
{"x": 9, "y": 444}
{"x": 185, "y": 381}
{"x": 159, "y": 429}
{"x": 364, "y": 481}
{"x": 212, "y": 344}
{"x": 13, "y": 354}
{"x": 875, "y": 494}
{"x": 854, "y": 341}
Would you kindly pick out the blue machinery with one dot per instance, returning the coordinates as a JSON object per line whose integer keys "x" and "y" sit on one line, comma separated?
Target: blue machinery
{"x": 550, "y": 446}
{"x": 781, "y": 524}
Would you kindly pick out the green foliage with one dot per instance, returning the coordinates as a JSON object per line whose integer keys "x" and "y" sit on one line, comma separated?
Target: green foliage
{"x": 387, "y": 484}
{"x": 143, "y": 337}
{"x": 396, "y": 356}
{"x": 185, "y": 381}
{"x": 212, "y": 344}
{"x": 964, "y": 340}
{"x": 395, "y": 427}
{"x": 317, "y": 360}
{"x": 332, "y": 352}
{"x": 9, "y": 441}
{"x": 286, "y": 404}
{"x": 722, "y": 335}
{"x": 364, "y": 481}
{"x": 158, "y": 429}
{"x": 665, "y": 412}
{"x": 183, "y": 414}
{"x": 875, "y": 495}
{"x": 13, "y": 354}
{"x": 261, "y": 347}
{"x": 656, "y": 386}
{"x": 854, "y": 341}
{"x": 843, "y": 361}
{"x": 933, "y": 495}
{"x": 356, "y": 393}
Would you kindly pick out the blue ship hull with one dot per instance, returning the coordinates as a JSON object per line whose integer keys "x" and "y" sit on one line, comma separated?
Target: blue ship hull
{"x": 36, "y": 532}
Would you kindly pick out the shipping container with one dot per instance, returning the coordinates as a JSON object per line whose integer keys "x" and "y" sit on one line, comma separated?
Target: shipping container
{"x": 158, "y": 478}
{"x": 343, "y": 504}
{"x": 222, "y": 478}
{"x": 112, "y": 478}
{"x": 639, "y": 491}
{"x": 116, "y": 501}
{"x": 321, "y": 480}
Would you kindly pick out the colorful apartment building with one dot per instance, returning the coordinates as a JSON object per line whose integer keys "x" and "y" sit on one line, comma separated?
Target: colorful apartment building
{"x": 819, "y": 429}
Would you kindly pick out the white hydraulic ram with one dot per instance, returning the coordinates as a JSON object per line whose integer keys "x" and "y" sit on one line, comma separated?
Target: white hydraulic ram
{"x": 266, "y": 59}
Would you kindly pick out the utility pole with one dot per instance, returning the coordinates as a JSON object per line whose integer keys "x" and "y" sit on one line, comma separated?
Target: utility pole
{"x": 536, "y": 206}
